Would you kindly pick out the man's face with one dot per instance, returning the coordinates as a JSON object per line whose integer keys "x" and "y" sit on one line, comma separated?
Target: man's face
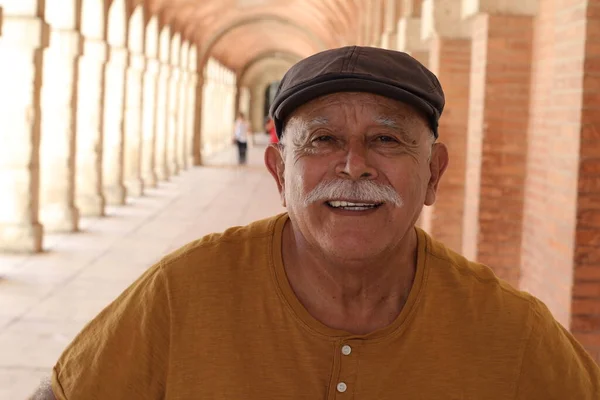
{"x": 355, "y": 171}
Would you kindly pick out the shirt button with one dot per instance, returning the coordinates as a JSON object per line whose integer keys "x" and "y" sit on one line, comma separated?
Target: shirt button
{"x": 341, "y": 387}
{"x": 346, "y": 350}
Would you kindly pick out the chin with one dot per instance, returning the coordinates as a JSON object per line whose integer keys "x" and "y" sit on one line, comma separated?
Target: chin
{"x": 353, "y": 248}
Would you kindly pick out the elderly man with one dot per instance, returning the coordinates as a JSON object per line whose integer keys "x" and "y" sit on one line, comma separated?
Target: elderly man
{"x": 341, "y": 297}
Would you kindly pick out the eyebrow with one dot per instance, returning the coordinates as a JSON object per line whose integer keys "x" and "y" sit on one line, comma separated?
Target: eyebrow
{"x": 386, "y": 121}
{"x": 393, "y": 123}
{"x": 318, "y": 121}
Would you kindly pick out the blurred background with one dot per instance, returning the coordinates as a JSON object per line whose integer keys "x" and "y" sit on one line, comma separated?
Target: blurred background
{"x": 117, "y": 119}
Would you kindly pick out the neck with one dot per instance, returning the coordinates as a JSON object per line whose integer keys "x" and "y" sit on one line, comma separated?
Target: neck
{"x": 358, "y": 296}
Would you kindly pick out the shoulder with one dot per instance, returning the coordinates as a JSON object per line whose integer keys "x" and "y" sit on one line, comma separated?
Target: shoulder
{"x": 219, "y": 252}
{"x": 549, "y": 361}
{"x": 468, "y": 281}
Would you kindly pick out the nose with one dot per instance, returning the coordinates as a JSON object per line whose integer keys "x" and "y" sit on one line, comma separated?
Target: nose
{"x": 356, "y": 165}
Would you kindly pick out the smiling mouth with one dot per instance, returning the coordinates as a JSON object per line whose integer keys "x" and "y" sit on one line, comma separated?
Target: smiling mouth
{"x": 352, "y": 206}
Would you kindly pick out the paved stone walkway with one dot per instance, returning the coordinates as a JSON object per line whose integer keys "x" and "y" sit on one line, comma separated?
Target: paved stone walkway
{"x": 46, "y": 299}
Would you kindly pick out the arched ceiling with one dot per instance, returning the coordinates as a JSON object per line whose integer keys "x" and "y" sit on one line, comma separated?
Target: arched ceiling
{"x": 271, "y": 67}
{"x": 263, "y": 39}
{"x": 236, "y": 31}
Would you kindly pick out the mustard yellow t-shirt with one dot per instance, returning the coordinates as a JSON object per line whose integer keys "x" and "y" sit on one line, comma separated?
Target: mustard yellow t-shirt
{"x": 218, "y": 320}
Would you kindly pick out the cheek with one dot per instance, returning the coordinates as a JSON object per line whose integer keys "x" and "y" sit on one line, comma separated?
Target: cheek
{"x": 409, "y": 184}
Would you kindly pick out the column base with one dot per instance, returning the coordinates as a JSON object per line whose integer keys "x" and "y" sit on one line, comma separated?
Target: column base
{"x": 150, "y": 179}
{"x": 61, "y": 219}
{"x": 184, "y": 164}
{"x": 115, "y": 195}
{"x": 135, "y": 187}
{"x": 21, "y": 238}
{"x": 162, "y": 174}
{"x": 174, "y": 168}
{"x": 91, "y": 206}
{"x": 194, "y": 161}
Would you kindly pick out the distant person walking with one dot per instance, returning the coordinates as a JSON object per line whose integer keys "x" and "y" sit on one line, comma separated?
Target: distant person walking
{"x": 242, "y": 129}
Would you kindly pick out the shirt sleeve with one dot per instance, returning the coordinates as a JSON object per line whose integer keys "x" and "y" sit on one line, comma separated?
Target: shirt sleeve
{"x": 555, "y": 366}
{"x": 123, "y": 353}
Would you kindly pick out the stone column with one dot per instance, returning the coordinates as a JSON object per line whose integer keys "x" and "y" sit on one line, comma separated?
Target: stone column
{"x": 195, "y": 106}
{"x": 89, "y": 195}
{"x": 133, "y": 125}
{"x": 173, "y": 106}
{"x": 22, "y": 42}
{"x": 409, "y": 31}
{"x": 162, "y": 96}
{"x": 114, "y": 135}
{"x": 244, "y": 102}
{"x": 496, "y": 146}
{"x": 449, "y": 48}
{"x": 206, "y": 105}
{"x": 59, "y": 98}
{"x": 391, "y": 17}
{"x": 149, "y": 101}
{"x": 184, "y": 140}
{"x": 410, "y": 40}
{"x": 367, "y": 27}
{"x": 377, "y": 22}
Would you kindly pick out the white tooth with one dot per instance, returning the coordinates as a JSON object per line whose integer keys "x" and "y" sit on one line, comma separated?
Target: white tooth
{"x": 343, "y": 203}
{"x": 357, "y": 208}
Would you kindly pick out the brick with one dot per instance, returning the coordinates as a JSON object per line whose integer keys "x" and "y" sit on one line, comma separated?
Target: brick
{"x": 586, "y": 306}
{"x": 588, "y": 237}
{"x": 585, "y": 323}
{"x": 588, "y": 339}
{"x": 586, "y": 290}
{"x": 587, "y": 272}
{"x": 589, "y": 218}
{"x": 589, "y": 184}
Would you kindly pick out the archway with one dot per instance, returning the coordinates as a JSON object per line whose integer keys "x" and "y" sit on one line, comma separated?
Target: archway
{"x": 260, "y": 78}
{"x": 244, "y": 22}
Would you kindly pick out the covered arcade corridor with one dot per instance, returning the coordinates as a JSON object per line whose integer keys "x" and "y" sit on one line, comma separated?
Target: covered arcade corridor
{"x": 116, "y": 118}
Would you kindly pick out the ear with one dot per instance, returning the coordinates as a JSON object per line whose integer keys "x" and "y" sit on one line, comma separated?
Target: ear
{"x": 276, "y": 166}
{"x": 437, "y": 166}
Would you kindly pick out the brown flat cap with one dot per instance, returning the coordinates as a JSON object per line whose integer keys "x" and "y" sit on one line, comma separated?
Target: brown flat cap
{"x": 387, "y": 73}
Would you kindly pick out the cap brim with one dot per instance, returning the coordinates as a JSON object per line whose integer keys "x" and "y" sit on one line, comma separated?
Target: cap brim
{"x": 282, "y": 109}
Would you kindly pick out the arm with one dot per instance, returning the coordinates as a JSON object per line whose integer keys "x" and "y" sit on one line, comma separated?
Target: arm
{"x": 554, "y": 364}
{"x": 124, "y": 352}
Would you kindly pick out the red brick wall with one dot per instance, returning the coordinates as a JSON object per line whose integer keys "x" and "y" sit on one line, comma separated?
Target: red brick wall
{"x": 497, "y": 143}
{"x": 553, "y": 160}
{"x": 585, "y": 308}
{"x": 450, "y": 60}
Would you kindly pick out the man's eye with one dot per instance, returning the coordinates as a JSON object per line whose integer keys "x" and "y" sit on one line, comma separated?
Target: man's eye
{"x": 386, "y": 139}
{"x": 323, "y": 139}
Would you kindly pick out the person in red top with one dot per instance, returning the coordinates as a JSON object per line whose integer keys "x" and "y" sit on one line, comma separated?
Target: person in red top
{"x": 270, "y": 128}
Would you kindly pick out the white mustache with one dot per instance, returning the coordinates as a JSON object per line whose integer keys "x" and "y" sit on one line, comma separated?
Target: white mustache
{"x": 363, "y": 191}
